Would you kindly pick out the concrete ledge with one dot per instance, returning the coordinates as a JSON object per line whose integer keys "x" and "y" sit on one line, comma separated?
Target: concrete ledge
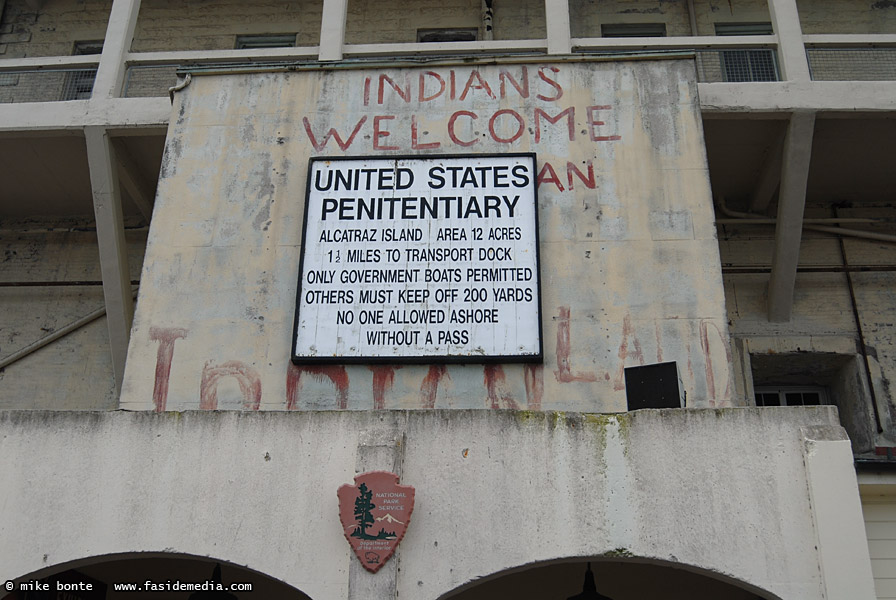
{"x": 725, "y": 491}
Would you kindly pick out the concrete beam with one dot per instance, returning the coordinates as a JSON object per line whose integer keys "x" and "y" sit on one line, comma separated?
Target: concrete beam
{"x": 116, "y": 45}
{"x": 27, "y": 118}
{"x": 332, "y": 30}
{"x": 113, "y": 249}
{"x": 791, "y": 204}
{"x": 835, "y": 96}
{"x": 791, "y": 51}
{"x": 769, "y": 177}
{"x": 556, "y": 14}
{"x": 132, "y": 180}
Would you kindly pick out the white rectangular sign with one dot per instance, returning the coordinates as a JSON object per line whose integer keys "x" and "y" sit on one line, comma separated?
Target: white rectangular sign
{"x": 420, "y": 258}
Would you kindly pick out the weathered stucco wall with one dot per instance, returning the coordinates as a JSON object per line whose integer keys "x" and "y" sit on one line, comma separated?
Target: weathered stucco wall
{"x": 74, "y": 372}
{"x": 726, "y": 491}
{"x": 630, "y": 268}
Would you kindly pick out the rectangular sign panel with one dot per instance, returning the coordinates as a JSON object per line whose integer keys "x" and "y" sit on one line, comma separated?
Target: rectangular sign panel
{"x": 419, "y": 258}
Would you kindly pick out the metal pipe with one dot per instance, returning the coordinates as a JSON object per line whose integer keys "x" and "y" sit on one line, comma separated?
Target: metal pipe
{"x": 769, "y": 221}
{"x": 34, "y": 346}
{"x": 488, "y": 14}
{"x": 56, "y": 283}
{"x": 434, "y": 61}
{"x": 862, "y": 346}
{"x": 733, "y": 270}
{"x": 187, "y": 79}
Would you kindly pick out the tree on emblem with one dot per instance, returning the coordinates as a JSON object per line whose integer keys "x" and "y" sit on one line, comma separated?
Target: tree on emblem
{"x": 363, "y": 507}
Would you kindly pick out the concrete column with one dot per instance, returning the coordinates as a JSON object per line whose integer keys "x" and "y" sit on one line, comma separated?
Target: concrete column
{"x": 332, "y": 30}
{"x": 556, "y": 14}
{"x": 844, "y": 560}
{"x": 113, "y": 250}
{"x": 377, "y": 451}
{"x": 791, "y": 204}
{"x": 791, "y": 50}
{"x": 116, "y": 45}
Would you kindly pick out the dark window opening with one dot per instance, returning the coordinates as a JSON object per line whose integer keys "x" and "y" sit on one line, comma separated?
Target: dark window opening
{"x": 267, "y": 40}
{"x": 817, "y": 379}
{"x": 630, "y": 30}
{"x": 447, "y": 35}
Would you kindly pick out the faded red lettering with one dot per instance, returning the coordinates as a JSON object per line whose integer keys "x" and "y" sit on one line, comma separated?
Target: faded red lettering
{"x": 627, "y": 330}
{"x": 404, "y": 94}
{"x": 332, "y": 133}
{"x": 430, "y": 386}
{"x": 415, "y": 136}
{"x": 563, "y": 373}
{"x": 548, "y": 175}
{"x": 590, "y": 181}
{"x": 569, "y": 113}
{"x": 367, "y": 91}
{"x": 383, "y": 378}
{"x": 246, "y": 377}
{"x": 481, "y": 85}
{"x": 504, "y": 78}
{"x": 335, "y": 373}
{"x": 533, "y": 377}
{"x": 422, "y": 97}
{"x": 593, "y": 124}
{"x": 166, "y": 336}
{"x": 451, "y": 121}
{"x": 550, "y": 82}
{"x": 498, "y": 396}
{"x": 379, "y": 133}
{"x": 519, "y": 121}
{"x": 707, "y": 354}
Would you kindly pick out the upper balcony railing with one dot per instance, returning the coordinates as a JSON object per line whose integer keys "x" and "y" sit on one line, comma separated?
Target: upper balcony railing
{"x": 150, "y": 69}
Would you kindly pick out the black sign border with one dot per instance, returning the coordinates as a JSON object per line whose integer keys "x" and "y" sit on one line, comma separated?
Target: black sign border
{"x": 432, "y": 359}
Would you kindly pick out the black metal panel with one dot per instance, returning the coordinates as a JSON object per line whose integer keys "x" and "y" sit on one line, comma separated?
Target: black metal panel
{"x": 653, "y": 386}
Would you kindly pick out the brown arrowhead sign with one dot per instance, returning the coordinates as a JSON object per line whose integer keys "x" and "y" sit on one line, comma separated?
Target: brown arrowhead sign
{"x": 375, "y": 513}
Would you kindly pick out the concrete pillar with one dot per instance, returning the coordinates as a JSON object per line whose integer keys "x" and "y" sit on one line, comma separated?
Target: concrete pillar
{"x": 377, "y": 451}
{"x": 791, "y": 204}
{"x": 791, "y": 51}
{"x": 556, "y": 14}
{"x": 332, "y": 29}
{"x": 844, "y": 559}
{"x": 116, "y": 45}
{"x": 113, "y": 249}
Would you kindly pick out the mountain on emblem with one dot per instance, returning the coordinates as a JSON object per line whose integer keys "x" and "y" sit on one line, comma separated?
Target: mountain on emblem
{"x": 375, "y": 513}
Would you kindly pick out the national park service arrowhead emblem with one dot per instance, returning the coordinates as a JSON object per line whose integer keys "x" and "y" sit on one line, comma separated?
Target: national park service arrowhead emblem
{"x": 375, "y": 513}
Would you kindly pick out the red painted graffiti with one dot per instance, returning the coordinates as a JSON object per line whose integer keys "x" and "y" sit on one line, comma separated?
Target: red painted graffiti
{"x": 246, "y": 377}
{"x": 383, "y": 378}
{"x": 498, "y": 396}
{"x": 627, "y": 331}
{"x": 332, "y": 133}
{"x": 430, "y": 386}
{"x": 533, "y": 377}
{"x": 563, "y": 373}
{"x": 335, "y": 373}
{"x": 707, "y": 353}
{"x": 166, "y": 336}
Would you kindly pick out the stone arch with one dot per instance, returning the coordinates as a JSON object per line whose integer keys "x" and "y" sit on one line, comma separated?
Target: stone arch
{"x": 617, "y": 577}
{"x": 161, "y": 568}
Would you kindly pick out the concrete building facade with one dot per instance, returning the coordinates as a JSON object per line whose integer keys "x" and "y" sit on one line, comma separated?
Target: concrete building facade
{"x": 713, "y": 191}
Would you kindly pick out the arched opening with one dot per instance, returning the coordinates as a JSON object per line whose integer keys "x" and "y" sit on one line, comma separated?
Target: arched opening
{"x": 615, "y": 579}
{"x": 148, "y": 576}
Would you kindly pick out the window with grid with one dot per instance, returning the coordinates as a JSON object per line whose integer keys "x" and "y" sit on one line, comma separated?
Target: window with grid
{"x": 742, "y": 65}
{"x": 791, "y": 396}
{"x": 79, "y": 84}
